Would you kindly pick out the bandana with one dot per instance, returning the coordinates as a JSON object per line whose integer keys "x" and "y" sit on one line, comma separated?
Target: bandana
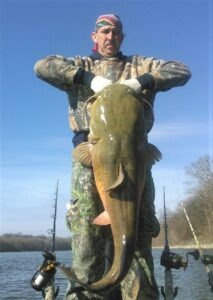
{"x": 105, "y": 20}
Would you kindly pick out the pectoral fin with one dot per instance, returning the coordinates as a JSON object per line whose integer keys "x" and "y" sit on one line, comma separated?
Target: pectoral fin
{"x": 82, "y": 153}
{"x": 153, "y": 154}
{"x": 102, "y": 219}
{"x": 119, "y": 180}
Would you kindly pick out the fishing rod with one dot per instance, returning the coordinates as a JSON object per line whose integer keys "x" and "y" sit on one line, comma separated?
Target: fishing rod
{"x": 171, "y": 260}
{"x": 54, "y": 216}
{"x": 206, "y": 259}
{"x": 43, "y": 279}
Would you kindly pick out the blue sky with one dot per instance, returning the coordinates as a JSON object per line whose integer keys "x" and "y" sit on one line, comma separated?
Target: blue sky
{"x": 35, "y": 136}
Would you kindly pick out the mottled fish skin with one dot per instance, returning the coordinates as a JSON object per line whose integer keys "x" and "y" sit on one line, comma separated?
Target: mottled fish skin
{"x": 117, "y": 145}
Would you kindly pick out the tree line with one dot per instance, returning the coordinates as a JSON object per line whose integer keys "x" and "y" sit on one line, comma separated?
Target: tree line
{"x": 21, "y": 242}
{"x": 198, "y": 204}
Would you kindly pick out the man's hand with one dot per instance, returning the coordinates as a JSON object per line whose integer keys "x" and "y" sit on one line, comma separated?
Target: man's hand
{"x": 133, "y": 83}
{"x": 99, "y": 82}
{"x": 145, "y": 81}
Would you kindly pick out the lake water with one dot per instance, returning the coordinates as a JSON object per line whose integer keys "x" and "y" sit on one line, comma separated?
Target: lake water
{"x": 17, "y": 269}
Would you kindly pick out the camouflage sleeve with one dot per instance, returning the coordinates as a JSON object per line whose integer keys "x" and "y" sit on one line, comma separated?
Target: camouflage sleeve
{"x": 166, "y": 74}
{"x": 57, "y": 71}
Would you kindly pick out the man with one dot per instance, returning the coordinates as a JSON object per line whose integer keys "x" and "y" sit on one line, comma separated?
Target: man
{"x": 80, "y": 77}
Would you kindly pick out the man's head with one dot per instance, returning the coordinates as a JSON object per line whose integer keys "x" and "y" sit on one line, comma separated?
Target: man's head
{"x": 108, "y": 35}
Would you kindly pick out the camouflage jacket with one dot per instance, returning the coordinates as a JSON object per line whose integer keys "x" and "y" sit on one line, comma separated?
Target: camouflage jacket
{"x": 60, "y": 72}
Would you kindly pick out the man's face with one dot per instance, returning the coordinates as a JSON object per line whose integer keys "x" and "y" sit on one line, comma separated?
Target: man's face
{"x": 109, "y": 39}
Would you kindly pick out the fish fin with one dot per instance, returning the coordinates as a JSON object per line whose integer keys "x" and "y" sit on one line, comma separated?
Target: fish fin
{"x": 154, "y": 154}
{"x": 82, "y": 153}
{"x": 119, "y": 180}
{"x": 102, "y": 219}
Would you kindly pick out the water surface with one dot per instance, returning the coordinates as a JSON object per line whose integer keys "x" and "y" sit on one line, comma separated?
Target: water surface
{"x": 17, "y": 269}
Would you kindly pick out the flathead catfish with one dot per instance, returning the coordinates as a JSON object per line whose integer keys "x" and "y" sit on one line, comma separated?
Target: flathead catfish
{"x": 118, "y": 152}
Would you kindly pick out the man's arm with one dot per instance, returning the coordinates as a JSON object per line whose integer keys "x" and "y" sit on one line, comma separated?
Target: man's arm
{"x": 57, "y": 71}
{"x": 166, "y": 74}
{"x": 156, "y": 75}
{"x": 63, "y": 73}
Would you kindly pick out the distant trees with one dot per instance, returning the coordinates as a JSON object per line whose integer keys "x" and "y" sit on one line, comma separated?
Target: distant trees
{"x": 201, "y": 195}
{"x": 198, "y": 204}
{"x": 22, "y": 242}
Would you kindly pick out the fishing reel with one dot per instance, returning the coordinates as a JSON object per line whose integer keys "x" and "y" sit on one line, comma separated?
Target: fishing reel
{"x": 207, "y": 259}
{"x": 45, "y": 272}
{"x": 172, "y": 260}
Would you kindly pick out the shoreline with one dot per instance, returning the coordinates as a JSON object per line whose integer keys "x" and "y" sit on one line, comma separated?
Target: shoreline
{"x": 191, "y": 246}
{"x": 188, "y": 246}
